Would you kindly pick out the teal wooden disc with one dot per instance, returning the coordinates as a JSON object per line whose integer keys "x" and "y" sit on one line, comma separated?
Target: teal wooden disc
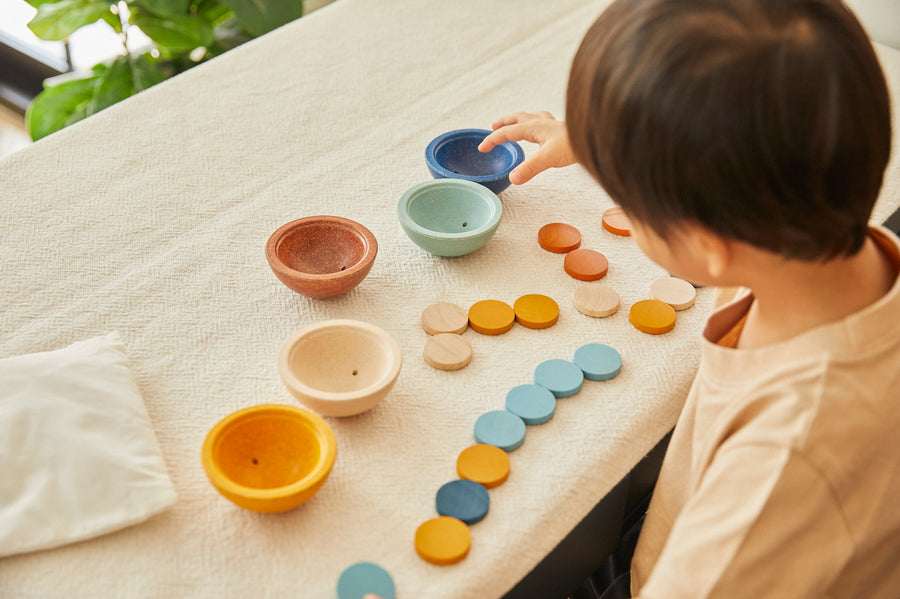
{"x": 363, "y": 578}
{"x": 532, "y": 403}
{"x": 500, "y": 428}
{"x": 561, "y": 377}
{"x": 598, "y": 362}
{"x": 464, "y": 500}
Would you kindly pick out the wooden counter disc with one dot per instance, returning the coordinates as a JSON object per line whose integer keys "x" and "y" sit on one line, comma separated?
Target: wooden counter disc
{"x": 676, "y": 292}
{"x": 615, "y": 221}
{"x": 596, "y": 300}
{"x": 500, "y": 428}
{"x": 561, "y": 377}
{"x": 532, "y": 403}
{"x": 483, "y": 463}
{"x": 536, "y": 311}
{"x": 491, "y": 317}
{"x": 559, "y": 238}
{"x": 363, "y": 578}
{"x": 443, "y": 540}
{"x": 586, "y": 265}
{"x": 447, "y": 351}
{"x": 464, "y": 500}
{"x": 444, "y": 318}
{"x": 652, "y": 316}
{"x": 599, "y": 362}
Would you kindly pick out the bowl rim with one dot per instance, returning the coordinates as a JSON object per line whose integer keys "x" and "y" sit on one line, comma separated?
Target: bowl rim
{"x": 431, "y": 150}
{"x": 362, "y": 232}
{"x": 323, "y": 433}
{"x": 294, "y": 384}
{"x": 480, "y": 190}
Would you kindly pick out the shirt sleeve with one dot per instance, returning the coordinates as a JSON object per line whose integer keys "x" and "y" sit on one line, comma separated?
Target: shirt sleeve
{"x": 763, "y": 523}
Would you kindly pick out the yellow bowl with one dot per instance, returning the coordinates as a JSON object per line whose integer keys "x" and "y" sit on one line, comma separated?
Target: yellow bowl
{"x": 270, "y": 457}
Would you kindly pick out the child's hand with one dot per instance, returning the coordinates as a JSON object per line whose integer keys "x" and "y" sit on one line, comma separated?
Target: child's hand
{"x": 537, "y": 127}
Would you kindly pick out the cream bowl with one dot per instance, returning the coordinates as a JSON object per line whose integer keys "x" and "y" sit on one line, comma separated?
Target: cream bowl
{"x": 340, "y": 367}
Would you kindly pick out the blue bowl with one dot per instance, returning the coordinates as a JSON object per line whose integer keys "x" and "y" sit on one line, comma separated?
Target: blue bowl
{"x": 449, "y": 217}
{"x": 455, "y": 155}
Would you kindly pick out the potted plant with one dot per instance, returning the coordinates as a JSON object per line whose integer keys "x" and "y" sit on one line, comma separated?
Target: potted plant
{"x": 184, "y": 33}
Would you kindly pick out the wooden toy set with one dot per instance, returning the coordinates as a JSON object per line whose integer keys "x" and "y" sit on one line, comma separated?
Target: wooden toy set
{"x": 274, "y": 457}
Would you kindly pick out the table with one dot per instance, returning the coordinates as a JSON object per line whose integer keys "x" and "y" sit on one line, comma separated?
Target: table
{"x": 151, "y": 218}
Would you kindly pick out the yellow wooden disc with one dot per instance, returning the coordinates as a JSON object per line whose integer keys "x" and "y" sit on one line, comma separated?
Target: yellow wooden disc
{"x": 444, "y": 318}
{"x": 652, "y": 316}
{"x": 536, "y": 311}
{"x": 597, "y": 300}
{"x": 676, "y": 292}
{"x": 443, "y": 540}
{"x": 491, "y": 317}
{"x": 485, "y": 464}
{"x": 447, "y": 351}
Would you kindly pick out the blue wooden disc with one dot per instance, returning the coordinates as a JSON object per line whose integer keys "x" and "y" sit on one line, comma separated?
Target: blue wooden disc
{"x": 500, "y": 428}
{"x": 561, "y": 377}
{"x": 599, "y": 362}
{"x": 532, "y": 403}
{"x": 464, "y": 500}
{"x": 363, "y": 578}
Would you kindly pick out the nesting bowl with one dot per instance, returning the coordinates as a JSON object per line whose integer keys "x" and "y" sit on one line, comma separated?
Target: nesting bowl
{"x": 270, "y": 457}
{"x": 449, "y": 217}
{"x": 455, "y": 155}
{"x": 340, "y": 367}
{"x": 321, "y": 256}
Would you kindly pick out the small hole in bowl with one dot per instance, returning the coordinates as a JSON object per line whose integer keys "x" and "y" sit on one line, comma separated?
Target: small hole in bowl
{"x": 255, "y": 461}
{"x": 466, "y": 224}
{"x": 355, "y": 372}
{"x": 343, "y": 268}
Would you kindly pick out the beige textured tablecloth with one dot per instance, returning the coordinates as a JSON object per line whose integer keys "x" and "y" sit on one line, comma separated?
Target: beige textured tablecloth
{"x": 150, "y": 219}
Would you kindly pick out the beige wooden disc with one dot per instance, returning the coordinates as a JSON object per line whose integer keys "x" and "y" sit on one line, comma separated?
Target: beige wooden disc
{"x": 676, "y": 292}
{"x": 596, "y": 300}
{"x": 444, "y": 318}
{"x": 447, "y": 351}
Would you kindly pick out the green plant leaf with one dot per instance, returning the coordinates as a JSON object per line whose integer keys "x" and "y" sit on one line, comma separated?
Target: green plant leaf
{"x": 213, "y": 11}
{"x": 175, "y": 33}
{"x": 53, "y": 108}
{"x": 58, "y": 20}
{"x": 144, "y": 72}
{"x": 113, "y": 21}
{"x": 261, "y": 16}
{"x": 165, "y": 8}
{"x": 113, "y": 85}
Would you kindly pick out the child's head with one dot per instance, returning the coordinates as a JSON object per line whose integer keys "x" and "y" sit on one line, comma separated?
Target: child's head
{"x": 762, "y": 121}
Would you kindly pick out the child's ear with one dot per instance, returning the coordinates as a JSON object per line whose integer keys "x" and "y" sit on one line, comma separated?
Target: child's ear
{"x": 716, "y": 251}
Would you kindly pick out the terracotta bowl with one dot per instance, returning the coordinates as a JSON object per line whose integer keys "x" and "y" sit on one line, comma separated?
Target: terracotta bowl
{"x": 269, "y": 458}
{"x": 321, "y": 256}
{"x": 340, "y": 367}
{"x": 449, "y": 217}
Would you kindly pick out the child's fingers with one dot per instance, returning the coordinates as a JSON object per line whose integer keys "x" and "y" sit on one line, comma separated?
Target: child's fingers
{"x": 534, "y": 164}
{"x": 514, "y": 132}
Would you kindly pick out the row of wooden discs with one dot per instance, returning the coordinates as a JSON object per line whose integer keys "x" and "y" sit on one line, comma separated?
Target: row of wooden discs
{"x": 446, "y": 539}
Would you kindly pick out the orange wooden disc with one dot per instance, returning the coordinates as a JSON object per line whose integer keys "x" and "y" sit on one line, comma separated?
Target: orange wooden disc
{"x": 443, "y": 540}
{"x": 491, "y": 317}
{"x": 485, "y": 464}
{"x": 559, "y": 238}
{"x": 652, "y": 316}
{"x": 586, "y": 265}
{"x": 615, "y": 221}
{"x": 536, "y": 311}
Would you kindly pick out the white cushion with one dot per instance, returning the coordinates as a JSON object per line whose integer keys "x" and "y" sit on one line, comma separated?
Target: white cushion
{"x": 79, "y": 456}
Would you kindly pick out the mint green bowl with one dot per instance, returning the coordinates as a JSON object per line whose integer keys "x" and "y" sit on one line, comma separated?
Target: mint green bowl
{"x": 449, "y": 217}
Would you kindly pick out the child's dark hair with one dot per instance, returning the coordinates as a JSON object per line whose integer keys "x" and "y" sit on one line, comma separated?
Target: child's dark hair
{"x": 766, "y": 121}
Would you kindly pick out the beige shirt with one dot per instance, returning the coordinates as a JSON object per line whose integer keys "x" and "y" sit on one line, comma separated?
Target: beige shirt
{"x": 782, "y": 478}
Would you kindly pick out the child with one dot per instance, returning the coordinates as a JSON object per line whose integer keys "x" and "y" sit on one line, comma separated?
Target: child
{"x": 747, "y": 141}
